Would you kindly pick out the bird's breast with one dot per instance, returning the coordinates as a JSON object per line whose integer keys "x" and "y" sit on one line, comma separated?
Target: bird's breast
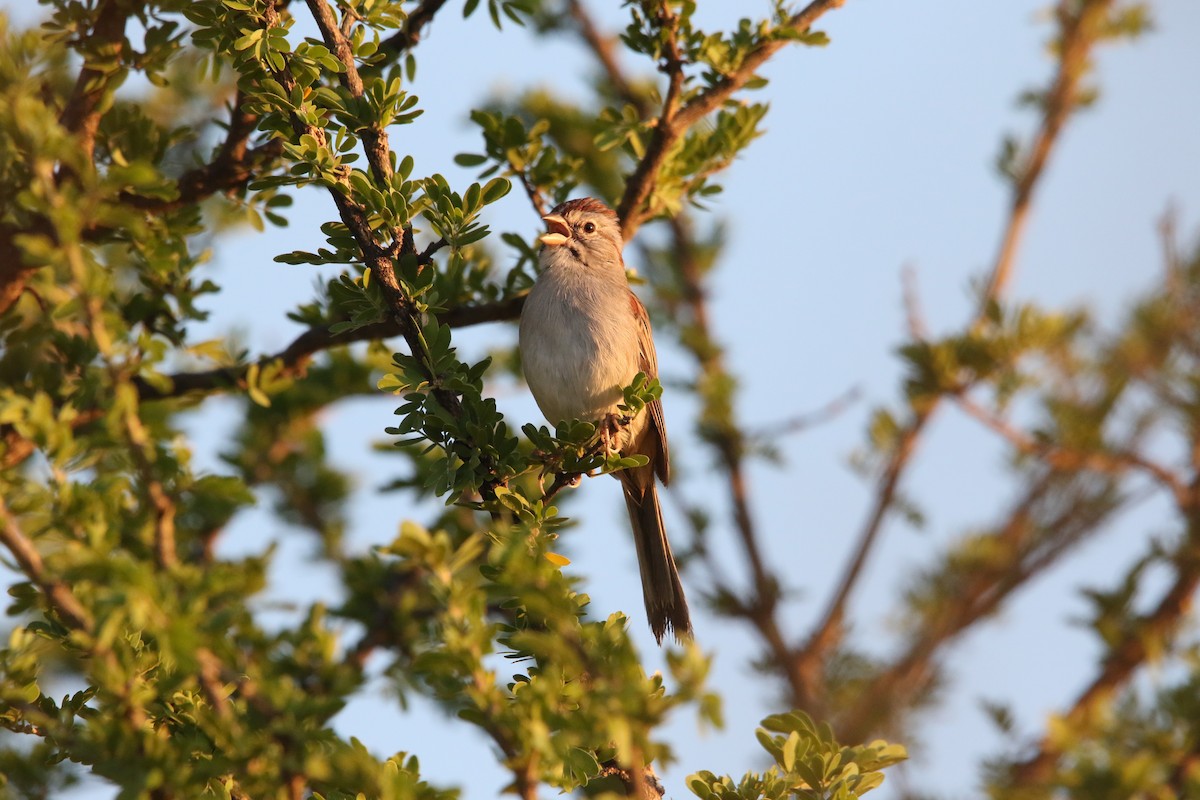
{"x": 579, "y": 346}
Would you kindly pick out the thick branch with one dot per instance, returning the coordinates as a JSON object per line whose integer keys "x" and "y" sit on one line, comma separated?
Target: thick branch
{"x": 374, "y": 138}
{"x": 82, "y": 113}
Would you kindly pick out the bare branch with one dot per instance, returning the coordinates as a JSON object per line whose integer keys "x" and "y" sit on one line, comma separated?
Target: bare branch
{"x": 829, "y": 631}
{"x": 811, "y": 419}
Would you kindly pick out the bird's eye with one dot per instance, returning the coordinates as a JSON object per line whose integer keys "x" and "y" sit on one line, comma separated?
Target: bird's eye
{"x": 589, "y": 227}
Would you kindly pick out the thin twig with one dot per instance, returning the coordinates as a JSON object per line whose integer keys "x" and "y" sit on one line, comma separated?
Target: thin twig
{"x": 808, "y": 420}
{"x": 914, "y": 316}
{"x": 1110, "y": 462}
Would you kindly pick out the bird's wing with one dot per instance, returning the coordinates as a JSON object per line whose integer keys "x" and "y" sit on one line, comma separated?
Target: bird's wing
{"x": 648, "y": 363}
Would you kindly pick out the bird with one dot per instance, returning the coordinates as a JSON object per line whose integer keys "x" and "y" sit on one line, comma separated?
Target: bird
{"x": 584, "y": 336}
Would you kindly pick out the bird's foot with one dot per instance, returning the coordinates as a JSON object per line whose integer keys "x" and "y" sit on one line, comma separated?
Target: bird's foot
{"x": 610, "y": 429}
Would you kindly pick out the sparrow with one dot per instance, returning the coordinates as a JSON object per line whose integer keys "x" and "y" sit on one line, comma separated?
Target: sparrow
{"x": 584, "y": 335}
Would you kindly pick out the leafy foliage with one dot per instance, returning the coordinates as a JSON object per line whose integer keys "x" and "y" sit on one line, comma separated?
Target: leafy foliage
{"x": 134, "y": 133}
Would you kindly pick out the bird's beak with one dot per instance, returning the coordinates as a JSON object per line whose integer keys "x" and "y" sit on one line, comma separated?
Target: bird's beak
{"x": 558, "y": 231}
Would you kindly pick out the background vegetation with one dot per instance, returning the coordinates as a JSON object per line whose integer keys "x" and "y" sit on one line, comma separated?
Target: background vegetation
{"x": 138, "y": 137}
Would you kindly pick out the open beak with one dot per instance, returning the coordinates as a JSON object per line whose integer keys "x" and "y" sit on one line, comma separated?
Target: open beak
{"x": 558, "y": 232}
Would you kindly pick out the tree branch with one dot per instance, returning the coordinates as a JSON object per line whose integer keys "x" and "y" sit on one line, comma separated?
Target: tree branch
{"x": 1078, "y": 35}
{"x": 1078, "y": 32}
{"x": 1141, "y": 641}
{"x": 234, "y": 165}
{"x": 295, "y": 357}
{"x": 1109, "y": 462}
{"x": 58, "y": 593}
{"x": 729, "y": 443}
{"x": 674, "y": 122}
{"x": 81, "y": 115}
{"x": 1039, "y": 528}
{"x": 602, "y": 47}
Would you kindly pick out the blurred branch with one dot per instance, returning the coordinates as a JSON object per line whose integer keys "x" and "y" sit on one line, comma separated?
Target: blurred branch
{"x": 536, "y": 198}
{"x": 603, "y": 47}
{"x": 1077, "y": 34}
{"x": 729, "y": 443}
{"x": 674, "y": 120}
{"x": 1109, "y": 462}
{"x": 810, "y": 419}
{"x": 914, "y": 315}
{"x": 58, "y": 593}
{"x": 234, "y": 165}
{"x": 81, "y": 115}
{"x": 1079, "y": 27}
{"x": 1039, "y": 528}
{"x": 1141, "y": 643}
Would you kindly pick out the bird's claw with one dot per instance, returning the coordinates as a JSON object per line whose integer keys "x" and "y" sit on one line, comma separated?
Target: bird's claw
{"x": 610, "y": 428}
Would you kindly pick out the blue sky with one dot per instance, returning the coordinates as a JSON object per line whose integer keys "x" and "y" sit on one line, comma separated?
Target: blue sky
{"x": 878, "y": 156}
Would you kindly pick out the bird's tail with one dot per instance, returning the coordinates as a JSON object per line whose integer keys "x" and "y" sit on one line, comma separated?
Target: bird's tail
{"x": 666, "y": 607}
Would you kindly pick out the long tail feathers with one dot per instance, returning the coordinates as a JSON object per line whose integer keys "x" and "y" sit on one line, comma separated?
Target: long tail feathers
{"x": 666, "y": 607}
